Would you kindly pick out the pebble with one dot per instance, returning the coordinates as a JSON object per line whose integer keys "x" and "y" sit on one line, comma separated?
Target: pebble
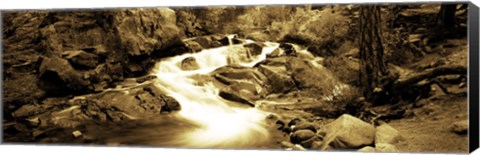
{"x": 76, "y": 133}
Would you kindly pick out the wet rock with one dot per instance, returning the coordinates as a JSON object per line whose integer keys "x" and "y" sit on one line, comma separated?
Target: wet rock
{"x": 254, "y": 48}
{"x": 194, "y": 46}
{"x": 460, "y": 127}
{"x": 300, "y": 136}
{"x": 207, "y": 42}
{"x": 225, "y": 41}
{"x": 242, "y": 92}
{"x": 189, "y": 63}
{"x": 57, "y": 76}
{"x": 275, "y": 53}
{"x": 289, "y": 49}
{"x": 81, "y": 59}
{"x": 367, "y": 149}
{"x": 278, "y": 78}
{"x": 387, "y": 134}
{"x": 304, "y": 126}
{"x": 145, "y": 78}
{"x": 383, "y": 147}
{"x": 294, "y": 121}
{"x": 348, "y": 132}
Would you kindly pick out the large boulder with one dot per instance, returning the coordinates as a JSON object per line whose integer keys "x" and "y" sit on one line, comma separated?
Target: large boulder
{"x": 384, "y": 147}
{"x": 387, "y": 134}
{"x": 278, "y": 78}
{"x": 254, "y": 49}
{"x": 241, "y": 84}
{"x": 300, "y": 136}
{"x": 460, "y": 127}
{"x": 189, "y": 63}
{"x": 348, "y": 132}
{"x": 81, "y": 59}
{"x": 58, "y": 77}
{"x": 109, "y": 106}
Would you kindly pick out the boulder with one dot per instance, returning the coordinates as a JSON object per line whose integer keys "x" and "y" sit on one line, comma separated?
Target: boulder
{"x": 367, "y": 149}
{"x": 460, "y": 127}
{"x": 81, "y": 59}
{"x": 57, "y": 76}
{"x": 300, "y": 136}
{"x": 230, "y": 74}
{"x": 348, "y": 132}
{"x": 242, "y": 92}
{"x": 225, "y": 41}
{"x": 189, "y": 63}
{"x": 275, "y": 53}
{"x": 28, "y": 110}
{"x": 383, "y": 147}
{"x": 288, "y": 48}
{"x": 304, "y": 126}
{"x": 387, "y": 134}
{"x": 193, "y": 46}
{"x": 278, "y": 78}
{"x": 144, "y": 31}
{"x": 254, "y": 49}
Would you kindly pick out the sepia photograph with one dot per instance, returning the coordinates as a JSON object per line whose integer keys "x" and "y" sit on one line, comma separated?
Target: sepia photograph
{"x": 373, "y": 77}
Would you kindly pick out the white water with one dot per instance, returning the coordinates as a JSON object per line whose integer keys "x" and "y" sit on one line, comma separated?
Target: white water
{"x": 221, "y": 125}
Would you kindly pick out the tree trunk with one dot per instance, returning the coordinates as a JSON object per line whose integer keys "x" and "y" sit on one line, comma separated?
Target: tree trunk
{"x": 373, "y": 69}
{"x": 446, "y": 16}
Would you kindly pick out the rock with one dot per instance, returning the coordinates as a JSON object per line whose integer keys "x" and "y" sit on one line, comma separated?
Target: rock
{"x": 28, "y": 110}
{"x": 304, "y": 126}
{"x": 348, "y": 132}
{"x": 134, "y": 68}
{"x": 387, "y": 134}
{"x": 288, "y": 145}
{"x": 242, "y": 92}
{"x": 57, "y": 76}
{"x": 225, "y": 41}
{"x": 257, "y": 36}
{"x": 275, "y": 53}
{"x": 194, "y": 46}
{"x": 288, "y": 48}
{"x": 254, "y": 49}
{"x": 189, "y": 63}
{"x": 367, "y": 149}
{"x": 206, "y": 42}
{"x": 460, "y": 127}
{"x": 300, "y": 136}
{"x": 143, "y": 31}
{"x": 81, "y": 59}
{"x": 278, "y": 78}
{"x": 294, "y": 121}
{"x": 76, "y": 133}
{"x": 316, "y": 145}
{"x": 382, "y": 147}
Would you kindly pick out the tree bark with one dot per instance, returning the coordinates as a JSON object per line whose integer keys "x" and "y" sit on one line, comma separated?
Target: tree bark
{"x": 446, "y": 16}
{"x": 373, "y": 69}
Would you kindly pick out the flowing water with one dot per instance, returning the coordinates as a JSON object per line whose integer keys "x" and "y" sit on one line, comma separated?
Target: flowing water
{"x": 206, "y": 120}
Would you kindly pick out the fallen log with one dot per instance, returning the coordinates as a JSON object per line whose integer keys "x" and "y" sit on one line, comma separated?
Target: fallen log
{"x": 429, "y": 74}
{"x": 413, "y": 86}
